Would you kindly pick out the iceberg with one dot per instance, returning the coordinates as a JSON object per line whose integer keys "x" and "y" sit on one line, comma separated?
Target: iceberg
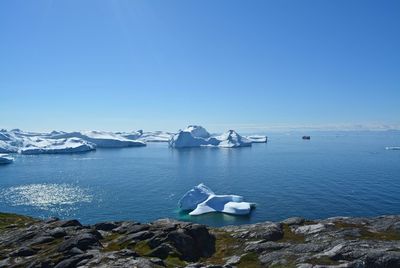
{"x": 201, "y": 200}
{"x": 56, "y": 146}
{"x": 231, "y": 139}
{"x": 393, "y": 148}
{"x": 185, "y": 139}
{"x": 6, "y": 159}
{"x": 257, "y": 138}
{"x": 7, "y": 147}
{"x": 101, "y": 139}
{"x": 196, "y": 136}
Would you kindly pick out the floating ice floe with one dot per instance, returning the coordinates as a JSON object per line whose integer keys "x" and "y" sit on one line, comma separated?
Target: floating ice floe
{"x": 257, "y": 138}
{"x": 197, "y": 136}
{"x": 5, "y": 159}
{"x": 393, "y": 148}
{"x": 38, "y": 145}
{"x": 201, "y": 200}
{"x": 101, "y": 139}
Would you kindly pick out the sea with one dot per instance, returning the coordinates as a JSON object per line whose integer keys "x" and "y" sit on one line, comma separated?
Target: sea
{"x": 332, "y": 174}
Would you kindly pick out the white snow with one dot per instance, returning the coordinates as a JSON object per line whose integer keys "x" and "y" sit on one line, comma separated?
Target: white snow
{"x": 150, "y": 136}
{"x": 37, "y": 145}
{"x": 202, "y": 199}
{"x": 5, "y": 159}
{"x": 393, "y": 148}
{"x": 197, "y": 131}
{"x": 257, "y": 138}
{"x": 102, "y": 139}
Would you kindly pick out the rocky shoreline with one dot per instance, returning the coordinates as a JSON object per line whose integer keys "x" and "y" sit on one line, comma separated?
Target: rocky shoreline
{"x": 295, "y": 242}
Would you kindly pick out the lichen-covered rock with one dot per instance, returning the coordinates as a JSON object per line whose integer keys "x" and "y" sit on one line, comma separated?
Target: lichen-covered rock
{"x": 295, "y": 242}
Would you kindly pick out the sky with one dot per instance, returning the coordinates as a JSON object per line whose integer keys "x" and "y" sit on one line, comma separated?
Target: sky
{"x": 161, "y": 65}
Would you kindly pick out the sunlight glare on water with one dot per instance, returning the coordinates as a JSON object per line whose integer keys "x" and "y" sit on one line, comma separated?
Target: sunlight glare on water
{"x": 45, "y": 196}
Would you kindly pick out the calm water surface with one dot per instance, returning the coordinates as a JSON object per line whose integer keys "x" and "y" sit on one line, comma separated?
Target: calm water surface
{"x": 330, "y": 175}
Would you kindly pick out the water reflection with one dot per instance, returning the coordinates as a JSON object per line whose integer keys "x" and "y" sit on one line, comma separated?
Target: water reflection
{"x": 45, "y": 196}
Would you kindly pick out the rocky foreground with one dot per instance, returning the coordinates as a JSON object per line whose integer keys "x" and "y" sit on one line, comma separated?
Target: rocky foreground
{"x": 295, "y": 242}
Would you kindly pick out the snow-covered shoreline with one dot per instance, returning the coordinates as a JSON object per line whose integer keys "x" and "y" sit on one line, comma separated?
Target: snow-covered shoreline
{"x": 58, "y": 142}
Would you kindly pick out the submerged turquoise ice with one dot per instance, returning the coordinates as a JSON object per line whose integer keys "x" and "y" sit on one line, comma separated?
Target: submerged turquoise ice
{"x": 347, "y": 174}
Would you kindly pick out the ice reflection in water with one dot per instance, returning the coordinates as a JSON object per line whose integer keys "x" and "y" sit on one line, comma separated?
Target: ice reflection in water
{"x": 45, "y": 196}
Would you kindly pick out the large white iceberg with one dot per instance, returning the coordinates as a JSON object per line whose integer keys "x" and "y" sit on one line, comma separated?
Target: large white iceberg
{"x": 201, "y": 200}
{"x": 185, "y": 139}
{"x": 231, "y": 139}
{"x": 196, "y": 136}
{"x": 38, "y": 145}
{"x": 101, "y": 139}
{"x": 5, "y": 159}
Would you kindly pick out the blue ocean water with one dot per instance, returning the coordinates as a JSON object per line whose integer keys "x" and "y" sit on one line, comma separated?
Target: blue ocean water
{"x": 347, "y": 174}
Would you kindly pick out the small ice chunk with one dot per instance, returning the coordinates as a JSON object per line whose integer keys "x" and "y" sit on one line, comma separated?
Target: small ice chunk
{"x": 393, "y": 148}
{"x": 6, "y": 159}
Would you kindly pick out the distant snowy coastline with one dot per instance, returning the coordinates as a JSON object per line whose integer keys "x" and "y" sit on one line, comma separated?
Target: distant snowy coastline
{"x": 58, "y": 142}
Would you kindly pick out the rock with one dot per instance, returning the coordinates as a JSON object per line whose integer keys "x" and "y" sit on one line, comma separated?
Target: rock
{"x": 73, "y": 261}
{"x": 204, "y": 241}
{"x": 70, "y": 223}
{"x": 75, "y": 251}
{"x": 162, "y": 251}
{"x": 184, "y": 244}
{"x": 23, "y": 252}
{"x": 52, "y": 219}
{"x": 83, "y": 242}
{"x": 233, "y": 260}
{"x": 270, "y": 257}
{"x": 386, "y": 260}
{"x": 294, "y": 221}
{"x": 266, "y": 246}
{"x": 130, "y": 227}
{"x": 310, "y": 229}
{"x": 105, "y": 226}
{"x": 340, "y": 241}
{"x": 157, "y": 261}
{"x": 141, "y": 235}
{"x": 58, "y": 232}
{"x": 42, "y": 240}
{"x": 5, "y": 263}
{"x": 127, "y": 253}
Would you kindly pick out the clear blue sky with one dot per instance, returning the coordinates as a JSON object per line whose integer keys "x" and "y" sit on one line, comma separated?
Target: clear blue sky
{"x": 125, "y": 65}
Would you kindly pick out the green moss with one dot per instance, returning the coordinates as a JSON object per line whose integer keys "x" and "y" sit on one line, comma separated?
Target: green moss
{"x": 225, "y": 246}
{"x": 7, "y": 219}
{"x": 110, "y": 243}
{"x": 142, "y": 248}
{"x": 324, "y": 260}
{"x": 290, "y": 236}
{"x": 249, "y": 260}
{"x": 174, "y": 261}
{"x": 283, "y": 265}
{"x": 389, "y": 235}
